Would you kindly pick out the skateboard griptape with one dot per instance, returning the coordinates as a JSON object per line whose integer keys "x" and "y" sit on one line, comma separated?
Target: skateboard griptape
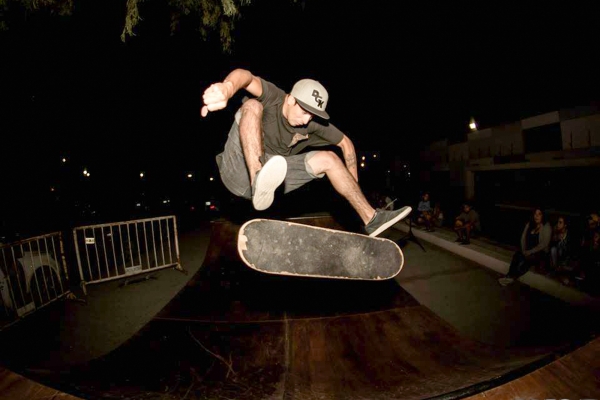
{"x": 287, "y": 248}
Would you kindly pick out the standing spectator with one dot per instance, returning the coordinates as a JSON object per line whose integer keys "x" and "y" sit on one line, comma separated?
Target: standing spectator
{"x": 535, "y": 247}
{"x": 467, "y": 223}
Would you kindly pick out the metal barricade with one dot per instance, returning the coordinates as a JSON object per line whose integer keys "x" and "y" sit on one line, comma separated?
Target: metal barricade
{"x": 33, "y": 273}
{"x": 121, "y": 249}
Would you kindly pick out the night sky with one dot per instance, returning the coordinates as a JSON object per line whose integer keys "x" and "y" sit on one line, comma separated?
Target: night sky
{"x": 400, "y": 75}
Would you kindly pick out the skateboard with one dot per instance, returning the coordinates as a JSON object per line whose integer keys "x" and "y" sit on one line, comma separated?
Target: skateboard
{"x": 289, "y": 248}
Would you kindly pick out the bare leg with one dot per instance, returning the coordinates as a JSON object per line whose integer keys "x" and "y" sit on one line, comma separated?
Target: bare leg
{"x": 251, "y": 136}
{"x": 343, "y": 182}
{"x": 458, "y": 230}
{"x": 428, "y": 222}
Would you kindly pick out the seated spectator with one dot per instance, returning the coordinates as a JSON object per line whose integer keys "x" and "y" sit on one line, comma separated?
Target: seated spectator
{"x": 388, "y": 203}
{"x": 560, "y": 244}
{"x": 535, "y": 247}
{"x": 381, "y": 200}
{"x": 467, "y": 223}
{"x": 424, "y": 212}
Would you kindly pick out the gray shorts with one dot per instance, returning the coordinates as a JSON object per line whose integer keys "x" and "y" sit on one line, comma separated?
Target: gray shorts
{"x": 234, "y": 172}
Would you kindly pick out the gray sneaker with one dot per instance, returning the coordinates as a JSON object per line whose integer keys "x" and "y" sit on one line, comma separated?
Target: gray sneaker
{"x": 266, "y": 181}
{"x": 383, "y": 219}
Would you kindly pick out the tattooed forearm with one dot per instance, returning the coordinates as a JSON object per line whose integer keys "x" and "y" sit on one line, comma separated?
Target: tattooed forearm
{"x": 350, "y": 160}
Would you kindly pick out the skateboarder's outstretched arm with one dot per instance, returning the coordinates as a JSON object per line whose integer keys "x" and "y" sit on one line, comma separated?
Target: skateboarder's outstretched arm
{"x": 218, "y": 94}
{"x": 349, "y": 156}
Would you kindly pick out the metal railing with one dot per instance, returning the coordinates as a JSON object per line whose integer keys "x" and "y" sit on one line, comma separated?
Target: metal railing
{"x": 117, "y": 250}
{"x": 33, "y": 274}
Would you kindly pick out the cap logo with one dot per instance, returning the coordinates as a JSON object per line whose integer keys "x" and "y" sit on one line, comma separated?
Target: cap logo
{"x": 318, "y": 98}
{"x": 311, "y": 96}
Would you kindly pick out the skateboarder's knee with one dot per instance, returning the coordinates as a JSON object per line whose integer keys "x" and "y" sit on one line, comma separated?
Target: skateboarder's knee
{"x": 325, "y": 160}
{"x": 251, "y": 107}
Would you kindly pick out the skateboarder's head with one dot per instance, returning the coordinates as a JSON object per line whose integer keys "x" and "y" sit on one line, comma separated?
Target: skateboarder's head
{"x": 311, "y": 96}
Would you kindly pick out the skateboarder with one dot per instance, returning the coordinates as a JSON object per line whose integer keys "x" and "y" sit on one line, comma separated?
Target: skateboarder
{"x": 266, "y": 144}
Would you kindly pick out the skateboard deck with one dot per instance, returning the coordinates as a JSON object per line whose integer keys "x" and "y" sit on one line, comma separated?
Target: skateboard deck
{"x": 289, "y": 248}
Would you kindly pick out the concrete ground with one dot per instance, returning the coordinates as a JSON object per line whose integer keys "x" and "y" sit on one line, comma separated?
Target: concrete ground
{"x": 92, "y": 325}
{"x": 468, "y": 296}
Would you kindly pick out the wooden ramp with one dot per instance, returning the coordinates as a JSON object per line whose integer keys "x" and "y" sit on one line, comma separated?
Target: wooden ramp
{"x": 235, "y": 333}
{"x": 14, "y": 386}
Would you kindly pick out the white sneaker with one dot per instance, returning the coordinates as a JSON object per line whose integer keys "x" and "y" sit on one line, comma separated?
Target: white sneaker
{"x": 266, "y": 181}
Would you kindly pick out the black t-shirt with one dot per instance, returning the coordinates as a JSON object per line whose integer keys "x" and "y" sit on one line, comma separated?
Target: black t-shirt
{"x": 282, "y": 138}
{"x": 532, "y": 240}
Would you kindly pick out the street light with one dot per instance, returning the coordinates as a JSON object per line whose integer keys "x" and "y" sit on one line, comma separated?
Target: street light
{"x": 473, "y": 125}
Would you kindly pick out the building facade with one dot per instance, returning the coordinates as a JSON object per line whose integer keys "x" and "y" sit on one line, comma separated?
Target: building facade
{"x": 551, "y": 160}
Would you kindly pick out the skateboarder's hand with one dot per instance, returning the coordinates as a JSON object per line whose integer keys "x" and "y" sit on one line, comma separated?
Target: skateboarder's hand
{"x": 216, "y": 97}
